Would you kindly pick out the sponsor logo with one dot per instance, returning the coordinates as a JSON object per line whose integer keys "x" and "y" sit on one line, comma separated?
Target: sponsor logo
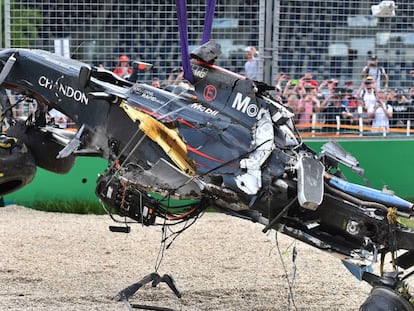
{"x": 210, "y": 92}
{"x": 243, "y": 105}
{"x": 147, "y": 94}
{"x": 63, "y": 89}
{"x": 200, "y": 107}
{"x": 198, "y": 71}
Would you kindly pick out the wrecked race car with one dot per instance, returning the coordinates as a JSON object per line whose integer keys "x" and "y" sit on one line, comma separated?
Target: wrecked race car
{"x": 221, "y": 142}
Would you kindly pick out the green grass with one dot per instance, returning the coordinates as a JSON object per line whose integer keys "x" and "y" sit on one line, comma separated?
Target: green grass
{"x": 407, "y": 222}
{"x": 80, "y": 207}
{"x": 73, "y": 207}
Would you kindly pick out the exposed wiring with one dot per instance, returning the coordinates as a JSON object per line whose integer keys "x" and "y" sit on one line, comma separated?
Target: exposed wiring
{"x": 290, "y": 283}
{"x": 161, "y": 251}
{"x": 168, "y": 239}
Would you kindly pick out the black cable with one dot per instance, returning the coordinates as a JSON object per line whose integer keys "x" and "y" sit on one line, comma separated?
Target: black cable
{"x": 279, "y": 215}
{"x": 291, "y": 298}
{"x": 162, "y": 248}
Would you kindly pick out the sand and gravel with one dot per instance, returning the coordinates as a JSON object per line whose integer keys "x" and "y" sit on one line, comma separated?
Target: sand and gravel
{"x": 53, "y": 261}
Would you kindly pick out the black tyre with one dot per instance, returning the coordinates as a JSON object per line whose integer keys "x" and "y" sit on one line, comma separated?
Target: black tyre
{"x": 384, "y": 298}
{"x": 17, "y": 165}
{"x": 43, "y": 147}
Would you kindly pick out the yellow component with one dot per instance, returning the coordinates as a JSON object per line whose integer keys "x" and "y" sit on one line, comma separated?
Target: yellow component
{"x": 8, "y": 142}
{"x": 392, "y": 220}
{"x": 392, "y": 215}
{"x": 168, "y": 139}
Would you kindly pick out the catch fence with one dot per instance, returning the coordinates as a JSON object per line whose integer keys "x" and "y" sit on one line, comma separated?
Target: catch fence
{"x": 328, "y": 38}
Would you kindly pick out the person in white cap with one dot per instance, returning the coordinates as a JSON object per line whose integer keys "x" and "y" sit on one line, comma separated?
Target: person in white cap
{"x": 251, "y": 67}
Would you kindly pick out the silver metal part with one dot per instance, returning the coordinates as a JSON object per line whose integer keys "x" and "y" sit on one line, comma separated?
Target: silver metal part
{"x": 7, "y": 68}
{"x": 310, "y": 182}
{"x": 352, "y": 227}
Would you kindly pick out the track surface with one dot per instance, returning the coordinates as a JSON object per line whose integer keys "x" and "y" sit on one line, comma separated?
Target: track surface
{"x": 52, "y": 261}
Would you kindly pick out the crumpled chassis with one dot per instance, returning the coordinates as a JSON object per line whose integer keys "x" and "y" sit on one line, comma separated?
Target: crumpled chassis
{"x": 227, "y": 144}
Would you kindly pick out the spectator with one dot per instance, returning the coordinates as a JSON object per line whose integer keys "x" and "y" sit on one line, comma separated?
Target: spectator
{"x": 401, "y": 108}
{"x": 410, "y": 98}
{"x": 175, "y": 76}
{"x": 352, "y": 101}
{"x": 359, "y": 111}
{"x": 410, "y": 95}
{"x": 376, "y": 72}
{"x": 307, "y": 105}
{"x": 124, "y": 70}
{"x": 278, "y": 95}
{"x": 367, "y": 92}
{"x": 328, "y": 87}
{"x": 57, "y": 118}
{"x": 291, "y": 87}
{"x": 251, "y": 66}
{"x": 280, "y": 78}
{"x": 177, "y": 84}
{"x": 381, "y": 113}
{"x": 349, "y": 98}
{"x": 349, "y": 85}
{"x": 292, "y": 103}
{"x": 333, "y": 109}
{"x": 22, "y": 108}
{"x": 307, "y": 79}
{"x": 156, "y": 82}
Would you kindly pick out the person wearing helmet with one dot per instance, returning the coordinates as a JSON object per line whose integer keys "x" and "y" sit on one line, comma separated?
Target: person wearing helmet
{"x": 124, "y": 70}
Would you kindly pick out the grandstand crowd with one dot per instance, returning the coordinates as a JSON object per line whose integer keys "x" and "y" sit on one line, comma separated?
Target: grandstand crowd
{"x": 332, "y": 106}
{"x": 325, "y": 106}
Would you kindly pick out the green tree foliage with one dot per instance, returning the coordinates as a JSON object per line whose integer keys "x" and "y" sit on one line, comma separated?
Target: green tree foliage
{"x": 23, "y": 24}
